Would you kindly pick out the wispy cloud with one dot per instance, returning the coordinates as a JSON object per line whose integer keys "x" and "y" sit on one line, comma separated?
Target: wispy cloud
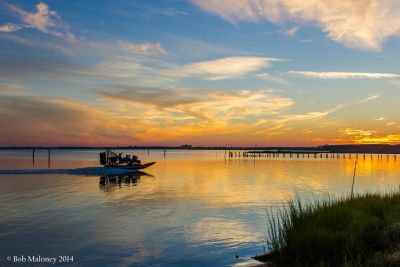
{"x": 13, "y": 88}
{"x": 135, "y": 8}
{"x": 335, "y": 75}
{"x": 229, "y": 67}
{"x": 40, "y": 43}
{"x": 370, "y": 97}
{"x": 356, "y": 132}
{"x": 22, "y": 67}
{"x": 395, "y": 82}
{"x": 116, "y": 60}
{"x": 272, "y": 78}
{"x": 286, "y": 122}
{"x": 144, "y": 48}
{"x": 197, "y": 48}
{"x": 215, "y": 106}
{"x": 379, "y": 119}
{"x": 362, "y": 24}
{"x": 311, "y": 115}
{"x": 10, "y": 27}
{"x": 44, "y": 20}
{"x": 292, "y": 31}
{"x": 128, "y": 66}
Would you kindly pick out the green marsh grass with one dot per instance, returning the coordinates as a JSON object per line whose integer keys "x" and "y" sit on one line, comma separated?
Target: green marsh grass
{"x": 359, "y": 231}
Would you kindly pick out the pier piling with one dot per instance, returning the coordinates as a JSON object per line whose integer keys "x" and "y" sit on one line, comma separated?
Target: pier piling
{"x": 48, "y": 158}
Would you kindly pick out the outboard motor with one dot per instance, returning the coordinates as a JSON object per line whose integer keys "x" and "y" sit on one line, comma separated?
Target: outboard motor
{"x": 103, "y": 158}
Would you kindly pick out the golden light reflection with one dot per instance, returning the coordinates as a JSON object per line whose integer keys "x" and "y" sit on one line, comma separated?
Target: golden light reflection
{"x": 248, "y": 183}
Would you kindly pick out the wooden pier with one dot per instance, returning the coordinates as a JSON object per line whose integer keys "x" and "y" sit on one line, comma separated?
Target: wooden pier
{"x": 322, "y": 154}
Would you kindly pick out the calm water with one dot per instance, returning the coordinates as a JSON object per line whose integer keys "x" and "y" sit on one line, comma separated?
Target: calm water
{"x": 192, "y": 208}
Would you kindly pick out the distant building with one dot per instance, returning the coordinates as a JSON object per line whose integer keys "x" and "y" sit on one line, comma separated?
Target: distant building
{"x": 186, "y": 146}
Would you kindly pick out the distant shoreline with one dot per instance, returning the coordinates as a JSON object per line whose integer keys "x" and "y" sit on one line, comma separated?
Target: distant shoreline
{"x": 362, "y": 149}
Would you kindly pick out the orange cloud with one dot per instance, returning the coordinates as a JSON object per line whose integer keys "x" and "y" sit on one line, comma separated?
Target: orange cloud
{"x": 388, "y": 139}
{"x": 33, "y": 120}
{"x": 358, "y": 136}
{"x": 138, "y": 117}
{"x": 145, "y": 116}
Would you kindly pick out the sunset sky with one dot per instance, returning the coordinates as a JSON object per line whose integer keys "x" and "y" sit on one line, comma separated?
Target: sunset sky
{"x": 202, "y": 72}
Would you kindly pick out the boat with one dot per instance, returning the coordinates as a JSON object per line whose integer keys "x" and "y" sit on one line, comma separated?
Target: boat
{"x": 132, "y": 166}
{"x": 110, "y": 159}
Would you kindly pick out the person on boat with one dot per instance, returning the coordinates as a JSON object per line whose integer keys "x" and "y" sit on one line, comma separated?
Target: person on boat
{"x": 120, "y": 158}
{"x": 112, "y": 161}
{"x": 135, "y": 159}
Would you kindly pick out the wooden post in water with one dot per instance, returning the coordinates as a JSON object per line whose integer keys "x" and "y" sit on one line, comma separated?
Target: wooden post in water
{"x": 148, "y": 152}
{"x": 33, "y": 156}
{"x": 354, "y": 176}
{"x": 48, "y": 159}
{"x": 164, "y": 153}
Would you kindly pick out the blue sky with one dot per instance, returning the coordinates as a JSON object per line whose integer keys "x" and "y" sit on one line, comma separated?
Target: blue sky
{"x": 202, "y": 72}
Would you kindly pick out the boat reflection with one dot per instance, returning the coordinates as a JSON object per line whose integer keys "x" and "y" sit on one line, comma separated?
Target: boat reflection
{"x": 108, "y": 182}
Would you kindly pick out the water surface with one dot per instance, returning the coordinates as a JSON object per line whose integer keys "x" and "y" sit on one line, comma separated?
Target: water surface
{"x": 193, "y": 208}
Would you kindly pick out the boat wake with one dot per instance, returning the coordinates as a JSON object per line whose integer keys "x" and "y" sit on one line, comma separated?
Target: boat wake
{"x": 88, "y": 171}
